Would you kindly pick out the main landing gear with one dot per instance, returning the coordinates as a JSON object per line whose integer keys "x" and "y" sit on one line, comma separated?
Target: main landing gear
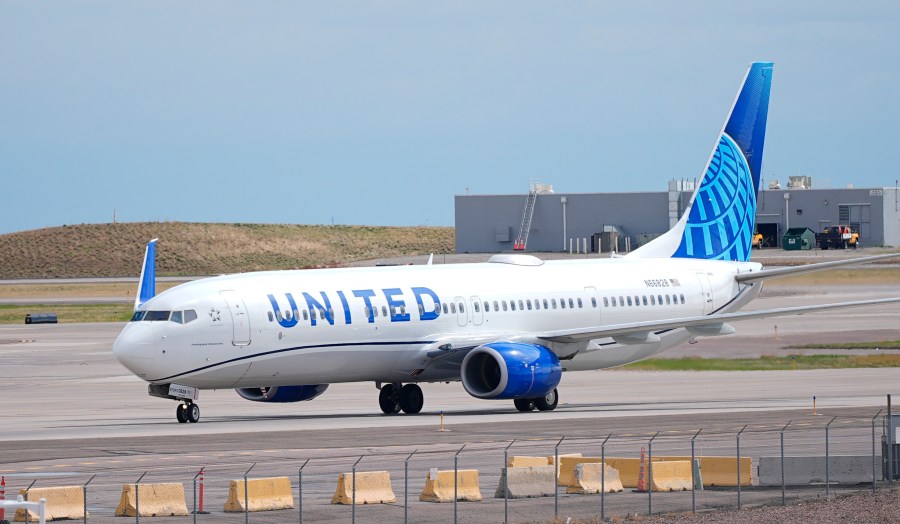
{"x": 187, "y": 411}
{"x": 546, "y": 403}
{"x": 393, "y": 398}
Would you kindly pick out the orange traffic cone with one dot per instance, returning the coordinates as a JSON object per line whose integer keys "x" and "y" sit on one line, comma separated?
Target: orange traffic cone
{"x": 641, "y": 484}
{"x": 2, "y": 498}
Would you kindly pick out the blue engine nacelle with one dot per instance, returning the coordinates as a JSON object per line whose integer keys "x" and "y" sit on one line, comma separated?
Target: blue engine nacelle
{"x": 510, "y": 370}
{"x": 282, "y": 393}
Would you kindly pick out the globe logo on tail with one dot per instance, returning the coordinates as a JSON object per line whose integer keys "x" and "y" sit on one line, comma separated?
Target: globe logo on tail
{"x": 720, "y": 224}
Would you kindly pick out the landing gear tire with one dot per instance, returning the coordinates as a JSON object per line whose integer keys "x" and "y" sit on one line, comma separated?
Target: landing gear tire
{"x": 548, "y": 402}
{"x": 181, "y": 413}
{"x": 193, "y": 413}
{"x": 387, "y": 399}
{"x": 411, "y": 399}
{"x": 524, "y": 404}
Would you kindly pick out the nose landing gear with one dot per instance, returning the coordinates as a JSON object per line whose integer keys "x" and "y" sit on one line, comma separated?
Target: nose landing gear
{"x": 187, "y": 412}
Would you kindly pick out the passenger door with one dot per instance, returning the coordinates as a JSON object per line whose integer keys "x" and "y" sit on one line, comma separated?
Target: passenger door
{"x": 240, "y": 321}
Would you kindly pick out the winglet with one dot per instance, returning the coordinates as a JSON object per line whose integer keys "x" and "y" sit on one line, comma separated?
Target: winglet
{"x": 147, "y": 283}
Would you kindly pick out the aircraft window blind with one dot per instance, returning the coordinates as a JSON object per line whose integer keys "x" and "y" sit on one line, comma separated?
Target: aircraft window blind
{"x": 553, "y": 302}
{"x": 606, "y": 302}
{"x": 453, "y": 307}
{"x": 504, "y": 305}
{"x": 579, "y": 303}
{"x": 495, "y": 306}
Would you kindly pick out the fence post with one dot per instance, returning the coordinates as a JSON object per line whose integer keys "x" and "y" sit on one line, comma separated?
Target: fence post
{"x": 650, "y": 474}
{"x": 783, "y": 500}
{"x": 247, "y": 495}
{"x": 456, "y": 482}
{"x": 26, "y": 498}
{"x": 827, "y": 462}
{"x": 693, "y": 478}
{"x": 887, "y": 441}
{"x": 84, "y": 493}
{"x": 353, "y": 501}
{"x": 506, "y": 482}
{"x": 300, "y": 489}
{"x": 406, "y": 486}
{"x": 137, "y": 499}
{"x": 555, "y": 479}
{"x": 739, "y": 464}
{"x": 603, "y": 478}
{"x": 873, "y": 450}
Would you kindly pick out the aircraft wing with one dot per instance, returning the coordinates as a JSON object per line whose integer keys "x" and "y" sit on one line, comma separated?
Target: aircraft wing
{"x": 636, "y": 332}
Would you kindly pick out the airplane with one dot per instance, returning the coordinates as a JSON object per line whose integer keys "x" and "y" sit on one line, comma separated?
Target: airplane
{"x": 506, "y": 328}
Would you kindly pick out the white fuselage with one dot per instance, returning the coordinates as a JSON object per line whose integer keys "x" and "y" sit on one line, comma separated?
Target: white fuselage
{"x": 413, "y": 323}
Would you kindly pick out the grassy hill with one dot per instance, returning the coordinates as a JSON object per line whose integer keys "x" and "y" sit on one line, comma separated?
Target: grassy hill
{"x": 108, "y": 250}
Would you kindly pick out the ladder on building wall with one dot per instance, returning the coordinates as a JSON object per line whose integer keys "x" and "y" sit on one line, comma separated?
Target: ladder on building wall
{"x": 525, "y": 228}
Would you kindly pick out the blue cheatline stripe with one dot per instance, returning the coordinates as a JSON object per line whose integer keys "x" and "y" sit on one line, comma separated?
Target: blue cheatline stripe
{"x": 296, "y": 348}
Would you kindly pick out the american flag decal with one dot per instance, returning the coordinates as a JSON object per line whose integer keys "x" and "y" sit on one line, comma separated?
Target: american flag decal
{"x": 675, "y": 282}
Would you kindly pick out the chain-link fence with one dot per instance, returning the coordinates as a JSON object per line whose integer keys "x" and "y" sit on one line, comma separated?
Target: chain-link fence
{"x": 810, "y": 458}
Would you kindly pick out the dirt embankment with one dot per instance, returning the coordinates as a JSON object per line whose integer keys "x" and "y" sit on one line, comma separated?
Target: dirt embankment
{"x": 113, "y": 250}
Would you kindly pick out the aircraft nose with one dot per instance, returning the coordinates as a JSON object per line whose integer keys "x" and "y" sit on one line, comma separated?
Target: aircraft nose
{"x": 135, "y": 348}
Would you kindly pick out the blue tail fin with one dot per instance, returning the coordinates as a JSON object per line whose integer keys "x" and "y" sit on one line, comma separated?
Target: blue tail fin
{"x": 147, "y": 284}
{"x": 719, "y": 221}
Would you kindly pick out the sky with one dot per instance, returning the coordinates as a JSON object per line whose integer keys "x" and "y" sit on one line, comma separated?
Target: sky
{"x": 379, "y": 112}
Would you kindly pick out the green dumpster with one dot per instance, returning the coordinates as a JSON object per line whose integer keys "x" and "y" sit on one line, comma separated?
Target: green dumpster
{"x": 797, "y": 238}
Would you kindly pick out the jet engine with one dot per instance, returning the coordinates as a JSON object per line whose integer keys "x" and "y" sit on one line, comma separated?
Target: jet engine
{"x": 282, "y": 393}
{"x": 510, "y": 370}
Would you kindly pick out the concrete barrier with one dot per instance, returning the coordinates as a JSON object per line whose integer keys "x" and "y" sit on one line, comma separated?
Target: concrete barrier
{"x": 156, "y": 500}
{"x": 517, "y": 461}
{"x": 719, "y": 471}
{"x": 372, "y": 487}
{"x": 528, "y": 482}
{"x": 590, "y": 478}
{"x": 628, "y": 468}
{"x": 671, "y": 475}
{"x": 439, "y": 488}
{"x": 65, "y": 502}
{"x": 263, "y": 494}
{"x": 803, "y": 471}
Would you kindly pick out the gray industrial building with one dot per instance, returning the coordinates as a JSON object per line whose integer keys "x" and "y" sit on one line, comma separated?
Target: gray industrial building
{"x": 588, "y": 221}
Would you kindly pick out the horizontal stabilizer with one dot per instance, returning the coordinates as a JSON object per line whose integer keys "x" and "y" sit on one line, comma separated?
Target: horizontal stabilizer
{"x": 764, "y": 274}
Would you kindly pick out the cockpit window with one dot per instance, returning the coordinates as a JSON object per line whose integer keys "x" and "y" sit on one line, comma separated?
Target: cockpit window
{"x": 189, "y": 315}
{"x": 138, "y": 316}
{"x": 177, "y": 317}
{"x": 156, "y": 315}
